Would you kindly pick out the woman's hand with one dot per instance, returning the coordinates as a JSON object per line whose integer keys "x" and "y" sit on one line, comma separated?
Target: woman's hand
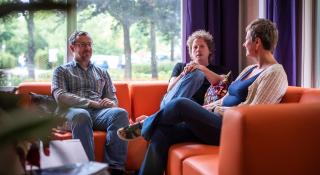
{"x": 209, "y": 107}
{"x": 191, "y": 66}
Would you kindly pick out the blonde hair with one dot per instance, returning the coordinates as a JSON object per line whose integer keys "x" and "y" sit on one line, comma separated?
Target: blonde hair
{"x": 206, "y": 36}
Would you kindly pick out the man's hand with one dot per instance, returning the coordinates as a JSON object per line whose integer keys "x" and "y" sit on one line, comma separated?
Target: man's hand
{"x": 106, "y": 103}
{"x": 94, "y": 104}
{"x": 102, "y": 103}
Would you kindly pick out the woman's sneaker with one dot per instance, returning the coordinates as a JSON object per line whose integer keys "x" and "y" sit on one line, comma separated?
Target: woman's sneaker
{"x": 130, "y": 132}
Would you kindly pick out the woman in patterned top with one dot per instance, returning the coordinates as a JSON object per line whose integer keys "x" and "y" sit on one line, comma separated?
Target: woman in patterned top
{"x": 183, "y": 120}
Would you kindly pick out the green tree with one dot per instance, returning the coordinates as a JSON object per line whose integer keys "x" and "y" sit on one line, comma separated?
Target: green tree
{"x": 108, "y": 36}
{"x": 41, "y": 59}
{"x": 161, "y": 15}
{"x": 7, "y": 60}
{"x": 126, "y": 12}
{"x": 28, "y": 8}
{"x": 6, "y": 33}
{"x": 5, "y": 36}
{"x": 29, "y": 18}
{"x": 12, "y": 38}
{"x": 171, "y": 23}
{"x": 149, "y": 10}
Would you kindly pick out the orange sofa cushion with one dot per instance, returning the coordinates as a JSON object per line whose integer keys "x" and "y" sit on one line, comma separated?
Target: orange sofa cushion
{"x": 301, "y": 95}
{"x": 201, "y": 164}
{"x": 123, "y": 96}
{"x": 180, "y": 152}
{"x": 310, "y": 96}
{"x": 36, "y": 87}
{"x": 146, "y": 97}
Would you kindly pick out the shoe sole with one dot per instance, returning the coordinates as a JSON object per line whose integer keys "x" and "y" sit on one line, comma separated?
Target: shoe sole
{"x": 125, "y": 139}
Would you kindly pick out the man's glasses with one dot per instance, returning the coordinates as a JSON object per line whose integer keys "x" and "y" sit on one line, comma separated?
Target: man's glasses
{"x": 83, "y": 45}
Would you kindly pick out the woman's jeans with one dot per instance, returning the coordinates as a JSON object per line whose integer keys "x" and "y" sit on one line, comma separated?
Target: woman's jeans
{"x": 84, "y": 121}
{"x": 186, "y": 87}
{"x": 181, "y": 120}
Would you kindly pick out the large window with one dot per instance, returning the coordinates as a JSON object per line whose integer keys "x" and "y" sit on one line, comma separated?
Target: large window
{"x": 31, "y": 45}
{"x": 133, "y": 39}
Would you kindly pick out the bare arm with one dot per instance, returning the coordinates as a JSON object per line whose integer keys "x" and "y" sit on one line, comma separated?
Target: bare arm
{"x": 212, "y": 77}
{"x": 177, "y": 74}
{"x": 188, "y": 68}
{"x": 173, "y": 82}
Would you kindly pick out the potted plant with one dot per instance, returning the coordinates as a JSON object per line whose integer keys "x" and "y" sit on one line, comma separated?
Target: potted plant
{"x": 20, "y": 131}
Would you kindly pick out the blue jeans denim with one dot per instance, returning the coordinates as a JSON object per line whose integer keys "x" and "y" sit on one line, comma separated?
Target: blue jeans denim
{"x": 181, "y": 120}
{"x": 186, "y": 87}
{"x": 84, "y": 121}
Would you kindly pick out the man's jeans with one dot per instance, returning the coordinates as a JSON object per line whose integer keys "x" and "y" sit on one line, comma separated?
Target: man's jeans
{"x": 84, "y": 121}
{"x": 186, "y": 87}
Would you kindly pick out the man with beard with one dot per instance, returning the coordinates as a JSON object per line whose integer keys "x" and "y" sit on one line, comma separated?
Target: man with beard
{"x": 86, "y": 98}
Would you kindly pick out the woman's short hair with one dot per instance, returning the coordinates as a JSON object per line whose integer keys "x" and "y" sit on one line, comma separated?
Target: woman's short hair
{"x": 266, "y": 31}
{"x": 74, "y": 35}
{"x": 206, "y": 36}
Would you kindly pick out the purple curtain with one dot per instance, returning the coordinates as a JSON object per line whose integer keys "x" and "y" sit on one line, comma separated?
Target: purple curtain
{"x": 220, "y": 19}
{"x": 285, "y": 15}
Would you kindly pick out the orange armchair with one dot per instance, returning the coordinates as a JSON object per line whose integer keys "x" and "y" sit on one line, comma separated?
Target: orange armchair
{"x": 271, "y": 139}
{"x": 262, "y": 139}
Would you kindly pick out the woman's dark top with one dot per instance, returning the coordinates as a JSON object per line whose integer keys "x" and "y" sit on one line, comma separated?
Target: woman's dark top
{"x": 238, "y": 90}
{"x": 199, "y": 95}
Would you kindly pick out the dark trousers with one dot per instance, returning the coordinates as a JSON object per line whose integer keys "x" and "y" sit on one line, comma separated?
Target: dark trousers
{"x": 181, "y": 120}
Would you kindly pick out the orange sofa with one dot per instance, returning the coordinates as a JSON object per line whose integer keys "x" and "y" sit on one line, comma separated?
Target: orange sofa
{"x": 136, "y": 97}
{"x": 261, "y": 139}
{"x": 280, "y": 139}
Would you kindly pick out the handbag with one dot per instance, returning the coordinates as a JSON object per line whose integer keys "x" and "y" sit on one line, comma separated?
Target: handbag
{"x": 217, "y": 91}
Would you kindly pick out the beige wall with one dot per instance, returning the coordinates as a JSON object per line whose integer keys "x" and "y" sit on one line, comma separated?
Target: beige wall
{"x": 249, "y": 10}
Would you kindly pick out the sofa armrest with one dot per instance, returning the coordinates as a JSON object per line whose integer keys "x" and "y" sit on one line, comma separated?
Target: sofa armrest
{"x": 271, "y": 139}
